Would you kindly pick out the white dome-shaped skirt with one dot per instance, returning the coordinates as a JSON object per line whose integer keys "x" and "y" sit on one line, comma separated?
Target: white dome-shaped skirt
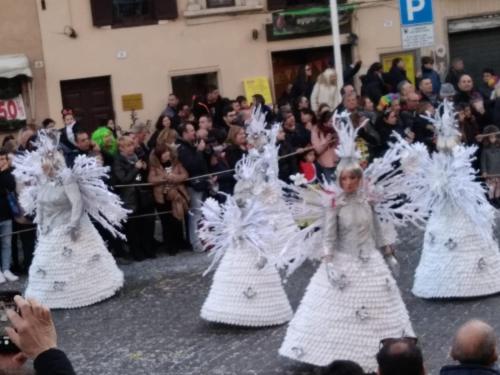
{"x": 246, "y": 292}
{"x": 347, "y": 318}
{"x": 66, "y": 274}
{"x": 456, "y": 260}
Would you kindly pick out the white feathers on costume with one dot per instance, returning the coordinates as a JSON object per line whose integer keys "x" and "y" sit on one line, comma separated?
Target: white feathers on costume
{"x": 446, "y": 124}
{"x": 101, "y": 204}
{"x": 386, "y": 187}
{"x": 225, "y": 225}
{"x": 244, "y": 236}
{"x": 347, "y": 134}
{"x": 257, "y": 133}
{"x": 307, "y": 204}
{"x": 447, "y": 178}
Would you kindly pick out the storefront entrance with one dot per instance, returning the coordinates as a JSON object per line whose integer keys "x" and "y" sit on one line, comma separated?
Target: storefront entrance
{"x": 286, "y": 64}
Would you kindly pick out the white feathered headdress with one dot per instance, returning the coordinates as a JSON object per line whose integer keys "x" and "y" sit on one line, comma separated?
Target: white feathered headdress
{"x": 347, "y": 149}
{"x": 448, "y": 134}
{"x": 257, "y": 134}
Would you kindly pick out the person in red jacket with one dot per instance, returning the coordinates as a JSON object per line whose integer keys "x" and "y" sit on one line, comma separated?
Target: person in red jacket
{"x": 307, "y": 166}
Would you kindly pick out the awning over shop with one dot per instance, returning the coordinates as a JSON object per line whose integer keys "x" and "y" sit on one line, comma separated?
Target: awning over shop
{"x": 14, "y": 65}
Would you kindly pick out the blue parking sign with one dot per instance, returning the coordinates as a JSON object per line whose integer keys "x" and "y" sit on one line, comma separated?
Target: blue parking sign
{"x": 415, "y": 12}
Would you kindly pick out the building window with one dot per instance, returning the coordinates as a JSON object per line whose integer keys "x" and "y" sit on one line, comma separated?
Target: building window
{"x": 220, "y": 3}
{"x": 132, "y": 12}
{"x": 124, "y": 13}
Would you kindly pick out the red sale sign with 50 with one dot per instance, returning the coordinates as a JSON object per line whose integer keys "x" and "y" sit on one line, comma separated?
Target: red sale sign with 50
{"x": 12, "y": 109}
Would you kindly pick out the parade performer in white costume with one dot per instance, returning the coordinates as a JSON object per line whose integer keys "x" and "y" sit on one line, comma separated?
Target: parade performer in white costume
{"x": 71, "y": 265}
{"x": 460, "y": 258}
{"x": 244, "y": 234}
{"x": 352, "y": 301}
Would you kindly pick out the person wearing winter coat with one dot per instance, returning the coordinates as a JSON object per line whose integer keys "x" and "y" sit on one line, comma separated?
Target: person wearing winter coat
{"x": 429, "y": 72}
{"x": 167, "y": 175}
{"x": 374, "y": 86}
{"x": 397, "y": 73}
{"x": 128, "y": 169}
{"x": 326, "y": 90}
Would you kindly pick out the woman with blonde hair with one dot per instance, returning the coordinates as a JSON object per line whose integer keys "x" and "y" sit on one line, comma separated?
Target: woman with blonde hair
{"x": 171, "y": 197}
{"x": 326, "y": 90}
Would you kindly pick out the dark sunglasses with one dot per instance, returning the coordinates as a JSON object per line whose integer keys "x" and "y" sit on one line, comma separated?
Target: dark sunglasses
{"x": 393, "y": 340}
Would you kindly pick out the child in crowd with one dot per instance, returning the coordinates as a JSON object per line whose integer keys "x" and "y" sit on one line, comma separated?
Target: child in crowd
{"x": 490, "y": 160}
{"x": 307, "y": 166}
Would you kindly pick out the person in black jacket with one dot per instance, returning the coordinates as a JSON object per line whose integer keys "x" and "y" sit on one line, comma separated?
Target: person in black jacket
{"x": 191, "y": 156}
{"x": 34, "y": 333}
{"x": 397, "y": 73}
{"x": 67, "y": 140}
{"x": 457, "y": 69}
{"x": 304, "y": 83}
{"x": 129, "y": 169}
{"x": 374, "y": 85}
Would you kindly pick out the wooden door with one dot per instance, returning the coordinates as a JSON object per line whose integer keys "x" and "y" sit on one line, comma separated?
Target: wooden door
{"x": 90, "y": 99}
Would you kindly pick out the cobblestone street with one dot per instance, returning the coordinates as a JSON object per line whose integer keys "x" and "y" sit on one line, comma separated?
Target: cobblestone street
{"x": 153, "y": 325}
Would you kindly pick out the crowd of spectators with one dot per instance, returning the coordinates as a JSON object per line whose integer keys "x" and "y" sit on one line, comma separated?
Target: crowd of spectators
{"x": 164, "y": 174}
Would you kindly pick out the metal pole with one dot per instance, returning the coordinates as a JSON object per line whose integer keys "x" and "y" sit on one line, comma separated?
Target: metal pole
{"x": 336, "y": 43}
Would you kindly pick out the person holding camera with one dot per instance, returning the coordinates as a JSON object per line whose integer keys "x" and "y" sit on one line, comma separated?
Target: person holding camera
{"x": 128, "y": 169}
{"x": 167, "y": 175}
{"x": 191, "y": 156}
{"x": 84, "y": 146}
{"x": 34, "y": 334}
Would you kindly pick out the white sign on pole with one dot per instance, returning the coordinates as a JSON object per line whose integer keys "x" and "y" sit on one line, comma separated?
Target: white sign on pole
{"x": 417, "y": 36}
{"x": 417, "y": 23}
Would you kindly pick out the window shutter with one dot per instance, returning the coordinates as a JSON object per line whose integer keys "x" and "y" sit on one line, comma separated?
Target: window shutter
{"x": 276, "y": 4}
{"x": 102, "y": 12}
{"x": 165, "y": 9}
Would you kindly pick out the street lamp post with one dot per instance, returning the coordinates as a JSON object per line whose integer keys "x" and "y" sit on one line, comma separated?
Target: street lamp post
{"x": 336, "y": 43}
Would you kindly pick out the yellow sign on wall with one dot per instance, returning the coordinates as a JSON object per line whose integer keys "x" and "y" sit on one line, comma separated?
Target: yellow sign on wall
{"x": 409, "y": 59}
{"x": 132, "y": 102}
{"x": 258, "y": 85}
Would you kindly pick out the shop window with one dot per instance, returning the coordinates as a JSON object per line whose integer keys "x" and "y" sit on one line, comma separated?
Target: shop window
{"x": 126, "y": 13}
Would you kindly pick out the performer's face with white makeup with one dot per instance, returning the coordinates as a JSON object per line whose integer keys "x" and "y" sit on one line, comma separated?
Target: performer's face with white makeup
{"x": 349, "y": 181}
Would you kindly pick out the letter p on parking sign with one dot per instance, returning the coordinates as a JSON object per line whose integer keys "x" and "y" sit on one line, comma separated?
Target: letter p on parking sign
{"x": 415, "y": 12}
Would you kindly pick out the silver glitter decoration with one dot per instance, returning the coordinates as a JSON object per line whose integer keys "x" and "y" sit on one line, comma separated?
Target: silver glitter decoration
{"x": 451, "y": 244}
{"x": 362, "y": 313}
{"x": 249, "y": 293}
{"x": 67, "y": 252}
{"x": 363, "y": 257}
{"x": 40, "y": 272}
{"x": 481, "y": 264}
{"x": 340, "y": 282}
{"x": 59, "y": 285}
{"x": 261, "y": 262}
{"x": 298, "y": 351}
{"x": 388, "y": 284}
